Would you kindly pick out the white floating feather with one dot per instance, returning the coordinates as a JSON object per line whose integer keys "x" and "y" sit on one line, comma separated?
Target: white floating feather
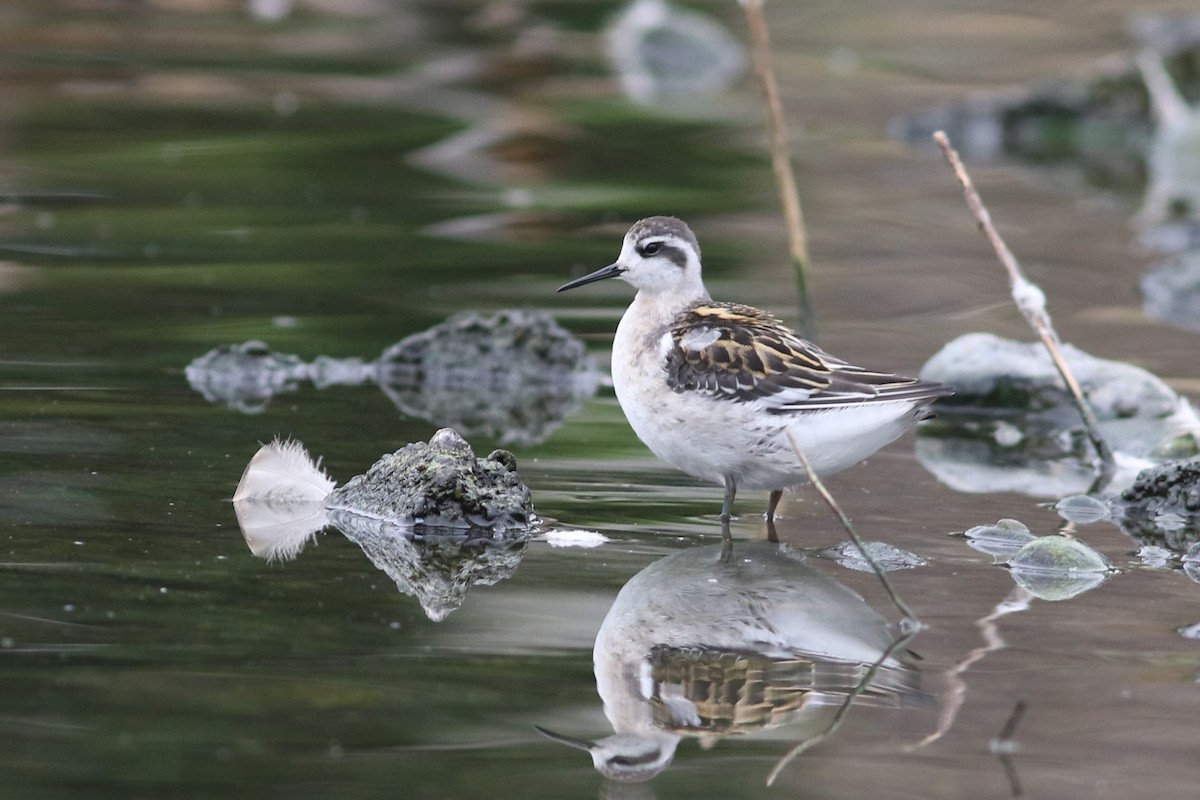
{"x": 283, "y": 471}
{"x": 280, "y": 500}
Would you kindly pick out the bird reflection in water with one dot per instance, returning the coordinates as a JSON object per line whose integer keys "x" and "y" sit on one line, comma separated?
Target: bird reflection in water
{"x": 731, "y": 639}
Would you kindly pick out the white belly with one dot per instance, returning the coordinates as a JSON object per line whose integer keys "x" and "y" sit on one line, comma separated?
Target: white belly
{"x": 711, "y": 438}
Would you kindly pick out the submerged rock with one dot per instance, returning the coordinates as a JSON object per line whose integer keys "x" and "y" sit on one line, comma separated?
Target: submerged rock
{"x": 1058, "y": 567}
{"x": 442, "y": 484}
{"x": 1171, "y": 291}
{"x": 1162, "y": 507}
{"x": 1096, "y": 127}
{"x": 245, "y": 376}
{"x": 1083, "y": 509}
{"x": 664, "y": 53}
{"x": 887, "y": 557}
{"x": 1002, "y": 541}
{"x": 1190, "y": 631}
{"x": 997, "y": 374}
{"x": 1053, "y": 567}
{"x": 1012, "y": 425}
{"x": 512, "y": 376}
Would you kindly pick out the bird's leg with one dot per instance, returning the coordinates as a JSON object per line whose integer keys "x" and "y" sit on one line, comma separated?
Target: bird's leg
{"x": 773, "y": 503}
{"x": 730, "y": 493}
{"x": 726, "y": 542}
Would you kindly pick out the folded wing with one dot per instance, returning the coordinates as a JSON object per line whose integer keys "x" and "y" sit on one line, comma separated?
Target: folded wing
{"x": 742, "y": 354}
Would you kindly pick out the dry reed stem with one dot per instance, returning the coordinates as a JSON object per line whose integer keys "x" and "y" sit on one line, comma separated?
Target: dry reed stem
{"x": 781, "y": 163}
{"x": 1030, "y": 300}
{"x": 909, "y": 624}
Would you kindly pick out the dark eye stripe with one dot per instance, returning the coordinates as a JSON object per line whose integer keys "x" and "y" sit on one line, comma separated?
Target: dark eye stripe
{"x": 673, "y": 254}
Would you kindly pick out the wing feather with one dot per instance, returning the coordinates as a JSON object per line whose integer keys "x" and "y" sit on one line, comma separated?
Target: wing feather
{"x": 741, "y": 354}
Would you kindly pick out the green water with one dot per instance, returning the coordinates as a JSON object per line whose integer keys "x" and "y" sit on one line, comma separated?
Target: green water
{"x": 177, "y": 177}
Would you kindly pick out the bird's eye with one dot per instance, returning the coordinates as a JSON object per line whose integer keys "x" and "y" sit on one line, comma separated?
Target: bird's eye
{"x": 650, "y": 248}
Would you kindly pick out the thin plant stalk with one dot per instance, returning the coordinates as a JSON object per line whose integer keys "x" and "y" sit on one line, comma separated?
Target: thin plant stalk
{"x": 1030, "y": 299}
{"x": 842, "y": 711}
{"x": 781, "y": 162}
{"x": 910, "y": 623}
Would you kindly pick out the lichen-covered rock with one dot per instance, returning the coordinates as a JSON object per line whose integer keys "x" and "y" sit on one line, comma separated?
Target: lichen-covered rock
{"x": 440, "y": 483}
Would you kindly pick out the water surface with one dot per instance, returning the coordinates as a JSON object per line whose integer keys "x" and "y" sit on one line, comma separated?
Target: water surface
{"x": 182, "y": 176}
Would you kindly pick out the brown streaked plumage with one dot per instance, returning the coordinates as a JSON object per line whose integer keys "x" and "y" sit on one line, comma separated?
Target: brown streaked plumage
{"x": 719, "y": 390}
{"x": 748, "y": 355}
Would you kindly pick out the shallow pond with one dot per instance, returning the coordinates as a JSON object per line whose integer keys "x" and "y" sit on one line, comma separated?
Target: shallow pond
{"x": 330, "y": 178}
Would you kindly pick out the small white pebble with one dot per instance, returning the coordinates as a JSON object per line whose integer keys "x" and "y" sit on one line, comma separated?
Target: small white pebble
{"x": 575, "y": 538}
{"x": 1007, "y": 435}
{"x": 1189, "y": 631}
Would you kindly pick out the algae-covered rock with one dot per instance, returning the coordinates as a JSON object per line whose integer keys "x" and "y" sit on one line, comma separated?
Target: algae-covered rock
{"x": 1058, "y": 554}
{"x": 1058, "y": 567}
{"x": 1052, "y": 567}
{"x": 440, "y": 483}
